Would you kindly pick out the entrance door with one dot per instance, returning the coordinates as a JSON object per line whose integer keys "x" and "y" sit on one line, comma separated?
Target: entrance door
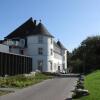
{"x": 58, "y": 68}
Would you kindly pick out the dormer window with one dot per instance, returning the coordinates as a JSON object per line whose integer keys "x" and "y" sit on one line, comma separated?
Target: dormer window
{"x": 40, "y": 39}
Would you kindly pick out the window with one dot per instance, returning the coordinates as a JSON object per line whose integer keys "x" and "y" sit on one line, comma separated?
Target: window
{"x": 51, "y": 52}
{"x": 40, "y": 51}
{"x": 50, "y": 65}
{"x": 51, "y": 40}
{"x": 40, "y": 39}
{"x": 58, "y": 68}
{"x": 63, "y": 66}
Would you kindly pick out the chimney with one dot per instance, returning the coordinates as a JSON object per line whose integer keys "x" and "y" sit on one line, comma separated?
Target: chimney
{"x": 40, "y": 20}
{"x": 35, "y": 22}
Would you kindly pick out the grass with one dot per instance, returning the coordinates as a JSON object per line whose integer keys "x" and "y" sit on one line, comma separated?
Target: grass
{"x": 92, "y": 83}
{"x": 21, "y": 81}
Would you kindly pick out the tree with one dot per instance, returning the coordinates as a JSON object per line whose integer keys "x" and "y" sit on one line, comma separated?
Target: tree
{"x": 69, "y": 66}
{"x": 88, "y": 53}
{"x": 77, "y": 66}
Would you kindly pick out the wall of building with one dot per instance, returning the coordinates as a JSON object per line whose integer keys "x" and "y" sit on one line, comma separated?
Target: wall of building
{"x": 60, "y": 59}
{"x": 50, "y": 54}
{"x": 52, "y": 57}
{"x": 32, "y": 50}
{"x": 65, "y": 55}
{"x": 4, "y": 48}
{"x": 14, "y": 50}
{"x": 47, "y": 57}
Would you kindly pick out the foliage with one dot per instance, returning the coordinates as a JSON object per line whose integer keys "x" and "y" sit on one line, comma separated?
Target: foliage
{"x": 21, "y": 81}
{"x": 77, "y": 65}
{"x": 88, "y": 53}
{"x": 69, "y": 55}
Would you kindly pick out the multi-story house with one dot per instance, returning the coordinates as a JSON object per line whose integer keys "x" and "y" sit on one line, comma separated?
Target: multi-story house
{"x": 33, "y": 39}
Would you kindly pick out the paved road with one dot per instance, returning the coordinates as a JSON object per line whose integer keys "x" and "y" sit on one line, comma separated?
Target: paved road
{"x": 53, "y": 89}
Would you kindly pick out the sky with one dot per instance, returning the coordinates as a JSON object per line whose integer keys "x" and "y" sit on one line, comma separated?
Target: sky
{"x": 70, "y": 21}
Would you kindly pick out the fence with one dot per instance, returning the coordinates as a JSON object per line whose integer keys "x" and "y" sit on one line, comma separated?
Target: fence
{"x": 11, "y": 64}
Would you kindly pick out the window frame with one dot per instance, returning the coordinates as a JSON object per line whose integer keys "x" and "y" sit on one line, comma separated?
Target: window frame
{"x": 51, "y": 65}
{"x": 51, "y": 41}
{"x": 51, "y": 51}
{"x": 40, "y": 51}
{"x": 40, "y": 39}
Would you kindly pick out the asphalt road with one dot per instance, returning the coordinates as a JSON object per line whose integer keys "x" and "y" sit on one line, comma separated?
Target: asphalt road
{"x": 53, "y": 89}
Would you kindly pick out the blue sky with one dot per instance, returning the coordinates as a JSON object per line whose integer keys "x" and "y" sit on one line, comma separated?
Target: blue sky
{"x": 70, "y": 21}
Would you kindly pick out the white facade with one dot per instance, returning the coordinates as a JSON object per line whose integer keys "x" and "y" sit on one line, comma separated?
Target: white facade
{"x": 32, "y": 50}
{"x": 4, "y": 48}
{"x": 49, "y": 60}
{"x": 47, "y": 55}
{"x": 60, "y": 61}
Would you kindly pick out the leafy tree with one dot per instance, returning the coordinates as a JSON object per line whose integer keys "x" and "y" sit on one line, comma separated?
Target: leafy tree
{"x": 88, "y": 53}
{"x": 69, "y": 55}
{"x": 69, "y": 65}
{"x": 77, "y": 66}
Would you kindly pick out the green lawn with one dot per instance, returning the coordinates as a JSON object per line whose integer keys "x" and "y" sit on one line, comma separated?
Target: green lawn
{"x": 92, "y": 83}
{"x": 21, "y": 81}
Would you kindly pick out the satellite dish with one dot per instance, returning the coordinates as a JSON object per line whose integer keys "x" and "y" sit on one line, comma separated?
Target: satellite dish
{"x": 22, "y": 43}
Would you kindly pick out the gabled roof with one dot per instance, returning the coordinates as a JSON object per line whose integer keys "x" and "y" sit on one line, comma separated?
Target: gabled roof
{"x": 29, "y": 28}
{"x": 22, "y": 30}
{"x": 60, "y": 45}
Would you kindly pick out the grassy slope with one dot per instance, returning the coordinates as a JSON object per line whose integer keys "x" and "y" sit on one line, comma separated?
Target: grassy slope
{"x": 92, "y": 83}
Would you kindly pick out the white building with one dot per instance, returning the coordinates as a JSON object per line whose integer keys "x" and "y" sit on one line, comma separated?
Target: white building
{"x": 34, "y": 40}
{"x": 4, "y": 48}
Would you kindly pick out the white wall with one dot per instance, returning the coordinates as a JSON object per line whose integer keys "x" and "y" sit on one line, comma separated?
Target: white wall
{"x": 56, "y": 63}
{"x": 47, "y": 58}
{"x": 65, "y": 59}
{"x": 4, "y": 48}
{"x": 56, "y": 59}
{"x": 15, "y": 50}
{"x": 32, "y": 50}
{"x": 47, "y": 45}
